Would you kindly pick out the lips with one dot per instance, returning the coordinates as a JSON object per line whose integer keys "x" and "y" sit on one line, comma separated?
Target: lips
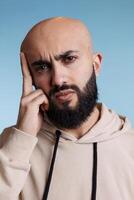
{"x": 64, "y": 95}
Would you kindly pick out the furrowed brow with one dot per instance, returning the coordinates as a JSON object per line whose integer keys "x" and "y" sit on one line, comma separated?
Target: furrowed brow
{"x": 39, "y": 62}
{"x": 57, "y": 57}
{"x": 64, "y": 54}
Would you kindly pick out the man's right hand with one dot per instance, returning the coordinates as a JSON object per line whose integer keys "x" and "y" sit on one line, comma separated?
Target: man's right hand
{"x": 30, "y": 119}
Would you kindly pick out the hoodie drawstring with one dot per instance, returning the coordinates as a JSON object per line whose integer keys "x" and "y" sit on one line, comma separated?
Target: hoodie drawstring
{"x": 94, "y": 173}
{"x": 45, "y": 195}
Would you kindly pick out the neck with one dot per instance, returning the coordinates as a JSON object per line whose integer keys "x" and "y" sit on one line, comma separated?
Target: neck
{"x": 87, "y": 125}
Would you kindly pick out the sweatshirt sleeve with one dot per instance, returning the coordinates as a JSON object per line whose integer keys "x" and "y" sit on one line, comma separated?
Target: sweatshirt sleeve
{"x": 16, "y": 148}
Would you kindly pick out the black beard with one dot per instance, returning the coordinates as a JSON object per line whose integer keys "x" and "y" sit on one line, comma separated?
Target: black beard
{"x": 72, "y": 118}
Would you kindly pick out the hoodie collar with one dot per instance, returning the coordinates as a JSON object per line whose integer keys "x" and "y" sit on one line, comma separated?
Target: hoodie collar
{"x": 109, "y": 125}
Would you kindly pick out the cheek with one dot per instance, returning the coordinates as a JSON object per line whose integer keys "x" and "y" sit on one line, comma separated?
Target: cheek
{"x": 82, "y": 76}
{"x": 42, "y": 83}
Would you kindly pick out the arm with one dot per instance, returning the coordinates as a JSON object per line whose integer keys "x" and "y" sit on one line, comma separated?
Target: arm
{"x": 17, "y": 143}
{"x": 16, "y": 148}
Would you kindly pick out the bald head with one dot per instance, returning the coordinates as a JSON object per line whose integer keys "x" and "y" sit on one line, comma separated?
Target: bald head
{"x": 59, "y": 55}
{"x": 58, "y": 29}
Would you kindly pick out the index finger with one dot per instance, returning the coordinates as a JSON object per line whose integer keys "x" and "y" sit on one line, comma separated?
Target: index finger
{"x": 27, "y": 79}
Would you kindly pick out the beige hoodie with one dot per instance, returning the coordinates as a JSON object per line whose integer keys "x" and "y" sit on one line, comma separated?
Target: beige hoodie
{"x": 98, "y": 166}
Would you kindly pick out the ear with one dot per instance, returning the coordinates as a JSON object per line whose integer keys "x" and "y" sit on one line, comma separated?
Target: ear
{"x": 97, "y": 60}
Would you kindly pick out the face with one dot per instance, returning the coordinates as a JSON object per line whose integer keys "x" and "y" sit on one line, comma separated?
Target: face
{"x": 72, "y": 117}
{"x": 61, "y": 65}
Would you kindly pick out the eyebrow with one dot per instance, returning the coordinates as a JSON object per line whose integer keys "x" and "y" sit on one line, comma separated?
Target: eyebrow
{"x": 57, "y": 57}
{"x": 64, "y": 54}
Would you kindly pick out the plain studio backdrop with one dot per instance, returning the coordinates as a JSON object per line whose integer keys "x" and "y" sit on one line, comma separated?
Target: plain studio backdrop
{"x": 112, "y": 28}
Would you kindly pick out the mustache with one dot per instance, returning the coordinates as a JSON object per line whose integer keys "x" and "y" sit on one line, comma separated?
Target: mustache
{"x": 57, "y": 88}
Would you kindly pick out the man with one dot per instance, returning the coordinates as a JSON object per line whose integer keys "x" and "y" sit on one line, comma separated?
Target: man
{"x": 64, "y": 145}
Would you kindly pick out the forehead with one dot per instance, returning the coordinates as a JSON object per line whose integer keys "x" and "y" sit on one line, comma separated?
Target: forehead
{"x": 56, "y": 37}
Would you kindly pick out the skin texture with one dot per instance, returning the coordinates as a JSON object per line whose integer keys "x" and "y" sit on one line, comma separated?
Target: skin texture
{"x": 46, "y": 42}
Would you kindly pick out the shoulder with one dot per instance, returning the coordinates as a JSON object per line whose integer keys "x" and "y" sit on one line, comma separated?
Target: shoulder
{"x": 126, "y": 140}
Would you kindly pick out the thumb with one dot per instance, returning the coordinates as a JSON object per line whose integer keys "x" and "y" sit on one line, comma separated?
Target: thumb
{"x": 44, "y": 107}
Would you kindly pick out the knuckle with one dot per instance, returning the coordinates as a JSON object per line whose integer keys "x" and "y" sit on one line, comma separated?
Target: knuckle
{"x": 39, "y": 91}
{"x": 42, "y": 96}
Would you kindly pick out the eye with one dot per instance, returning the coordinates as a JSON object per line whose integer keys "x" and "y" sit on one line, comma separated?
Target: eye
{"x": 69, "y": 59}
{"x": 42, "y": 68}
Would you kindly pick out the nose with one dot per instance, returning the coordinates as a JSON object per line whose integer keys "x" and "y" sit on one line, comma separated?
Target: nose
{"x": 58, "y": 76}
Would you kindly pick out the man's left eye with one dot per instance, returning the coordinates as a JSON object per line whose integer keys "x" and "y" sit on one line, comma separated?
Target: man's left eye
{"x": 69, "y": 59}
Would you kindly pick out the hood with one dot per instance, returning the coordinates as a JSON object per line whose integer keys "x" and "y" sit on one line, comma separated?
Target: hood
{"x": 109, "y": 125}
